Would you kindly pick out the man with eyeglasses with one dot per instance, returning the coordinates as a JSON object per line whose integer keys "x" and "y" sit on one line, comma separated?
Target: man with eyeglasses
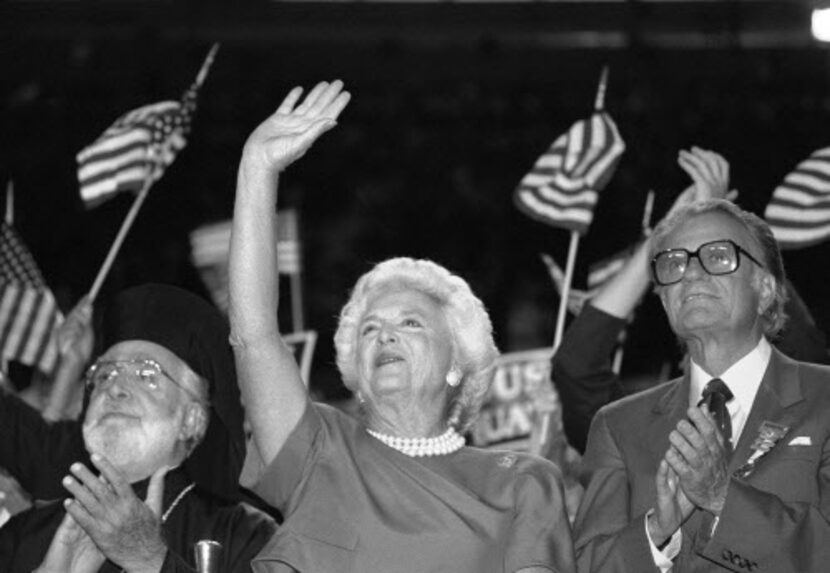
{"x": 163, "y": 429}
{"x": 728, "y": 467}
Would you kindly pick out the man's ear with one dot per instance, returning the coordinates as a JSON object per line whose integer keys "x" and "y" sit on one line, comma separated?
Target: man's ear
{"x": 766, "y": 291}
{"x": 194, "y": 424}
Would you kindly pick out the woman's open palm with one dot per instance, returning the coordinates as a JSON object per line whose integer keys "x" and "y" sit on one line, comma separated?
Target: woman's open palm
{"x": 287, "y": 134}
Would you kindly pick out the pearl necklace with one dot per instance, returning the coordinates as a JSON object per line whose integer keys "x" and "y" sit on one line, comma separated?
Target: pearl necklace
{"x": 447, "y": 443}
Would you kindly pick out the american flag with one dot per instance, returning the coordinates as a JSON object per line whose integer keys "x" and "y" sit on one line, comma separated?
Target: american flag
{"x": 799, "y": 210}
{"x": 563, "y": 186}
{"x": 28, "y": 311}
{"x": 210, "y": 246}
{"x": 136, "y": 149}
{"x": 288, "y": 242}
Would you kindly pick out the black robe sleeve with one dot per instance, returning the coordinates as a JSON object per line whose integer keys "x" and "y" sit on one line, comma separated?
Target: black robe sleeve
{"x": 36, "y": 452}
{"x": 582, "y": 371}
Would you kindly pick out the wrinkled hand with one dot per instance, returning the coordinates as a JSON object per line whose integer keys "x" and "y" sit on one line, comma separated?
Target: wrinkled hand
{"x": 709, "y": 172}
{"x": 285, "y": 136}
{"x": 125, "y": 529}
{"x": 71, "y": 550}
{"x": 698, "y": 456}
{"x": 710, "y": 178}
{"x": 75, "y": 335}
{"x": 673, "y": 507}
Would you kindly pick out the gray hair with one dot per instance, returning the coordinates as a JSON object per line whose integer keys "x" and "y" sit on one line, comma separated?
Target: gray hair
{"x": 774, "y": 316}
{"x": 474, "y": 350}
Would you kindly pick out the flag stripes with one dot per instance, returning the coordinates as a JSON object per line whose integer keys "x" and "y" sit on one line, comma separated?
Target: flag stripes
{"x": 288, "y": 243}
{"x": 28, "y": 311}
{"x": 799, "y": 211}
{"x": 28, "y": 318}
{"x": 563, "y": 186}
{"x": 136, "y": 149}
{"x": 210, "y": 247}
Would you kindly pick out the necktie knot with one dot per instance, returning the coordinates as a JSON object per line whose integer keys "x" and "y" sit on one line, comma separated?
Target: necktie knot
{"x": 717, "y": 386}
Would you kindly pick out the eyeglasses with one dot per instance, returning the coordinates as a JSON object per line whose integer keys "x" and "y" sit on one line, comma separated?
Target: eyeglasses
{"x": 146, "y": 372}
{"x": 720, "y": 257}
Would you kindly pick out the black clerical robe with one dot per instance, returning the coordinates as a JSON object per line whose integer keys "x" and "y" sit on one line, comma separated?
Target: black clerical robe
{"x": 39, "y": 454}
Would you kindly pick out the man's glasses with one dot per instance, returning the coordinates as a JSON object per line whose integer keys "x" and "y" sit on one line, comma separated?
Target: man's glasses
{"x": 147, "y": 373}
{"x": 720, "y": 257}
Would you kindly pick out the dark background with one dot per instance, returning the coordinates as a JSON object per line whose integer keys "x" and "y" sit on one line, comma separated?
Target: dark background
{"x": 452, "y": 104}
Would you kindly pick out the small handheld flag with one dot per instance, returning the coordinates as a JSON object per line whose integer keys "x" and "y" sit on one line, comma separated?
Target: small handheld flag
{"x": 799, "y": 210}
{"x": 133, "y": 154}
{"x": 28, "y": 311}
{"x": 139, "y": 146}
{"x": 563, "y": 186}
{"x": 210, "y": 248}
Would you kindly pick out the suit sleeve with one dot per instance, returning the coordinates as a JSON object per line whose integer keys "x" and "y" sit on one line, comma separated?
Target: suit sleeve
{"x": 37, "y": 453}
{"x": 607, "y": 539}
{"x": 760, "y": 532}
{"x": 582, "y": 371}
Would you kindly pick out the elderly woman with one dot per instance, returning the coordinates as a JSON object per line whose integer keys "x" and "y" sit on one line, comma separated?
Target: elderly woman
{"x": 397, "y": 491}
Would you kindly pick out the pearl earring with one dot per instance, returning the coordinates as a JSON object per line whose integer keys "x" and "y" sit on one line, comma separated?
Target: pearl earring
{"x": 453, "y": 377}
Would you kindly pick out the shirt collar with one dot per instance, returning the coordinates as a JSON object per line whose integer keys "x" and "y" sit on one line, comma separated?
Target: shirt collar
{"x": 743, "y": 378}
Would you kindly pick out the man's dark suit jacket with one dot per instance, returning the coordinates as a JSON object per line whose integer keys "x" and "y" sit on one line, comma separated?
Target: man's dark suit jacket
{"x": 776, "y": 519}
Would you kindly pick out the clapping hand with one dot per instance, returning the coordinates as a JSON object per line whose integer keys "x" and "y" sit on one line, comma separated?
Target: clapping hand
{"x": 126, "y": 529}
{"x": 698, "y": 456}
{"x": 71, "y": 550}
{"x": 709, "y": 172}
{"x": 710, "y": 177}
{"x": 673, "y": 506}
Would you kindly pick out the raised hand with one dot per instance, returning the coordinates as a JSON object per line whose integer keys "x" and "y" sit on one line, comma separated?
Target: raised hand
{"x": 698, "y": 456}
{"x": 709, "y": 172}
{"x": 287, "y": 134}
{"x": 75, "y": 336}
{"x": 71, "y": 550}
{"x": 673, "y": 506}
{"x": 126, "y": 529}
{"x": 75, "y": 341}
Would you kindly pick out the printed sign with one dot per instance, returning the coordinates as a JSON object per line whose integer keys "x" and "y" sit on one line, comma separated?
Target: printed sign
{"x": 520, "y": 384}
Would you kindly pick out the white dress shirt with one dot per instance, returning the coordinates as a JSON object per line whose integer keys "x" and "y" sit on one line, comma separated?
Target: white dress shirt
{"x": 743, "y": 378}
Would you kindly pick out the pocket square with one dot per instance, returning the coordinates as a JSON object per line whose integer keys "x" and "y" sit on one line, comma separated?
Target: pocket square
{"x": 801, "y": 441}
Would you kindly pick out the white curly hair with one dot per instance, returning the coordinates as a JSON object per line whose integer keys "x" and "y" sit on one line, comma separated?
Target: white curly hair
{"x": 474, "y": 351}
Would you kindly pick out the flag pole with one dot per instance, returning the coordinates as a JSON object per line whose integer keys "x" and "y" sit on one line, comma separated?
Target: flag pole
{"x": 539, "y": 435}
{"x": 203, "y": 72}
{"x": 295, "y": 280}
{"x": 142, "y": 195}
{"x": 297, "y": 303}
{"x": 10, "y": 203}
{"x": 119, "y": 239}
{"x": 647, "y": 211}
{"x": 538, "y": 440}
{"x": 566, "y": 289}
